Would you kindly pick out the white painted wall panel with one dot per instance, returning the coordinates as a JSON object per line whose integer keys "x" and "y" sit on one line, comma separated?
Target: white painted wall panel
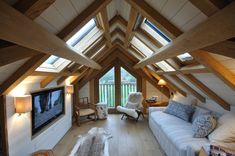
{"x": 85, "y": 91}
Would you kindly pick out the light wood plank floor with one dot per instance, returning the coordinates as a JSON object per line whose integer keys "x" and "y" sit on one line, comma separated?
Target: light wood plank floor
{"x": 129, "y": 138}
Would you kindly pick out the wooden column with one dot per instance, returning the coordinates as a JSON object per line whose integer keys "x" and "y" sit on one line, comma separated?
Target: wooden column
{"x": 117, "y": 84}
{"x": 92, "y": 91}
{"x": 3, "y": 125}
{"x": 75, "y": 97}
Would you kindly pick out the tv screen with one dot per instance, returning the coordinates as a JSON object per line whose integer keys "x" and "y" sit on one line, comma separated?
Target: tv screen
{"x": 47, "y": 106}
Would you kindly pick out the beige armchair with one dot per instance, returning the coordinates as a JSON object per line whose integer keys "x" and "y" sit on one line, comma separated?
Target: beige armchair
{"x": 85, "y": 108}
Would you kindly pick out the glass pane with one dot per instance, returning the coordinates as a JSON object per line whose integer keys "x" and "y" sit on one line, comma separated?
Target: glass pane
{"x": 185, "y": 57}
{"x": 81, "y": 33}
{"x": 107, "y": 89}
{"x": 155, "y": 32}
{"x": 52, "y": 59}
{"x": 128, "y": 84}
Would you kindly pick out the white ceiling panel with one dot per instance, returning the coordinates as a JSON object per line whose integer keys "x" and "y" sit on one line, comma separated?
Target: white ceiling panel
{"x": 187, "y": 13}
{"x": 80, "y": 5}
{"x": 157, "y": 4}
{"x": 7, "y": 70}
{"x": 172, "y": 7}
{"x": 41, "y": 21}
{"x": 111, "y": 10}
{"x": 218, "y": 86}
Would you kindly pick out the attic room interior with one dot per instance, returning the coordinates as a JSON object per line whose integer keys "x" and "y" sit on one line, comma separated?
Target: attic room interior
{"x": 117, "y": 77}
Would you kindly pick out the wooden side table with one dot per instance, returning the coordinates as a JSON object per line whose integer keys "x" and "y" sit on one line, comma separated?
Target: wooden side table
{"x": 155, "y": 104}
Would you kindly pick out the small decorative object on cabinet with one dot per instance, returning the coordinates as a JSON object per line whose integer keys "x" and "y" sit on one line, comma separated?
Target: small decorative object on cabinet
{"x": 102, "y": 110}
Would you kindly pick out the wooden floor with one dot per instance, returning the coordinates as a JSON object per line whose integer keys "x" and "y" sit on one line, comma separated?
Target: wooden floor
{"x": 129, "y": 138}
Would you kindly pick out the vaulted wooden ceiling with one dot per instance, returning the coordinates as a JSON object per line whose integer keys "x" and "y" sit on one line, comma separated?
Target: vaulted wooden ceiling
{"x": 205, "y": 29}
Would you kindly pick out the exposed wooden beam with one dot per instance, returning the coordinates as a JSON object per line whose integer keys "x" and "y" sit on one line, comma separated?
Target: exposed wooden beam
{"x": 193, "y": 69}
{"x": 21, "y": 73}
{"x": 46, "y": 81}
{"x": 15, "y": 53}
{"x": 155, "y": 17}
{"x": 105, "y": 25}
{"x": 207, "y": 91}
{"x": 44, "y": 41}
{"x": 32, "y": 8}
{"x": 225, "y": 48}
{"x": 187, "y": 87}
{"x": 206, "y": 6}
{"x": 82, "y": 19}
{"x": 131, "y": 23}
{"x": 118, "y": 19}
{"x": 64, "y": 73}
{"x": 118, "y": 31}
{"x": 3, "y": 126}
{"x": 217, "y": 68}
{"x": 169, "y": 83}
{"x": 203, "y": 35}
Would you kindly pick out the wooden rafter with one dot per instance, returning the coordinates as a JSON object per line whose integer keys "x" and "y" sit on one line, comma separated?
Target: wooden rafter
{"x": 225, "y": 48}
{"x": 118, "y": 19}
{"x": 131, "y": 23}
{"x": 32, "y": 8}
{"x": 105, "y": 25}
{"x": 206, "y": 6}
{"x": 217, "y": 68}
{"x": 118, "y": 31}
{"x": 65, "y": 73}
{"x": 21, "y": 73}
{"x": 15, "y": 53}
{"x": 188, "y": 88}
{"x": 205, "y": 34}
{"x": 46, "y": 81}
{"x": 169, "y": 83}
{"x": 155, "y": 17}
{"x": 82, "y": 19}
{"x": 44, "y": 41}
{"x": 207, "y": 91}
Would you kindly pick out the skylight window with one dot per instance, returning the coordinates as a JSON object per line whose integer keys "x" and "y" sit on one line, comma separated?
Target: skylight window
{"x": 185, "y": 57}
{"x": 141, "y": 46}
{"x": 155, "y": 32}
{"x": 165, "y": 66}
{"x": 81, "y": 33}
{"x": 52, "y": 59}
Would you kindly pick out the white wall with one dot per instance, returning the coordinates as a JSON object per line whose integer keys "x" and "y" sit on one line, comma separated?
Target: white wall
{"x": 152, "y": 91}
{"x": 19, "y": 127}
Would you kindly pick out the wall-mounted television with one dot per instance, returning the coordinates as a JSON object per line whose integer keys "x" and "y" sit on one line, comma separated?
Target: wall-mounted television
{"x": 47, "y": 105}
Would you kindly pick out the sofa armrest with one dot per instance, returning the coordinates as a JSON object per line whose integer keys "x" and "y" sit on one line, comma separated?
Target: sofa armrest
{"x": 154, "y": 109}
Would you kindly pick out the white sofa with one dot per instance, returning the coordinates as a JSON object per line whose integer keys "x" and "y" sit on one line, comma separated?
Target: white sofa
{"x": 174, "y": 134}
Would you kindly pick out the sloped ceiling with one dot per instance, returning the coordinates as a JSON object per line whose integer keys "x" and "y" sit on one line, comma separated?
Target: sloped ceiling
{"x": 183, "y": 14}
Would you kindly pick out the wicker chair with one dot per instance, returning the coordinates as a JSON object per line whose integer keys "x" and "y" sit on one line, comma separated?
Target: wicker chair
{"x": 84, "y": 108}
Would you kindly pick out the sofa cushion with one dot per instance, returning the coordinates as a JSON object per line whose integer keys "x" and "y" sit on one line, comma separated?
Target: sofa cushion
{"x": 203, "y": 125}
{"x": 180, "y": 110}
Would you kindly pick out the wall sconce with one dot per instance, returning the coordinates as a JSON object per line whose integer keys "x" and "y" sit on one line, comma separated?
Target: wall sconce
{"x": 23, "y": 104}
{"x": 69, "y": 89}
{"x": 161, "y": 82}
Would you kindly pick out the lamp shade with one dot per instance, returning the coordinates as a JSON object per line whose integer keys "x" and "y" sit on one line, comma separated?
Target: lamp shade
{"x": 23, "y": 104}
{"x": 161, "y": 82}
{"x": 69, "y": 89}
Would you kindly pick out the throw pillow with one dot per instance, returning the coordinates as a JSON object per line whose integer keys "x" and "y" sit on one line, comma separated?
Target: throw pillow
{"x": 198, "y": 111}
{"x": 225, "y": 131}
{"x": 203, "y": 125}
{"x": 179, "y": 110}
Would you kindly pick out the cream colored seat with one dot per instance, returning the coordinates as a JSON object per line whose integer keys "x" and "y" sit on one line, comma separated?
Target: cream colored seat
{"x": 84, "y": 108}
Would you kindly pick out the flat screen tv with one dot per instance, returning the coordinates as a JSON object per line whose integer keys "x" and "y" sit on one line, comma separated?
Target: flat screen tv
{"x": 47, "y": 106}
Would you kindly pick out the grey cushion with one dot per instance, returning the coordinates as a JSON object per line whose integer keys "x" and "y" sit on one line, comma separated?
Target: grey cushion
{"x": 203, "y": 125}
{"x": 180, "y": 110}
{"x": 199, "y": 111}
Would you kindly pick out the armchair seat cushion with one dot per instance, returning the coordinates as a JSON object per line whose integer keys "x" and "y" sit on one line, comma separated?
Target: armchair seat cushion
{"x": 128, "y": 111}
{"x": 85, "y": 112}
